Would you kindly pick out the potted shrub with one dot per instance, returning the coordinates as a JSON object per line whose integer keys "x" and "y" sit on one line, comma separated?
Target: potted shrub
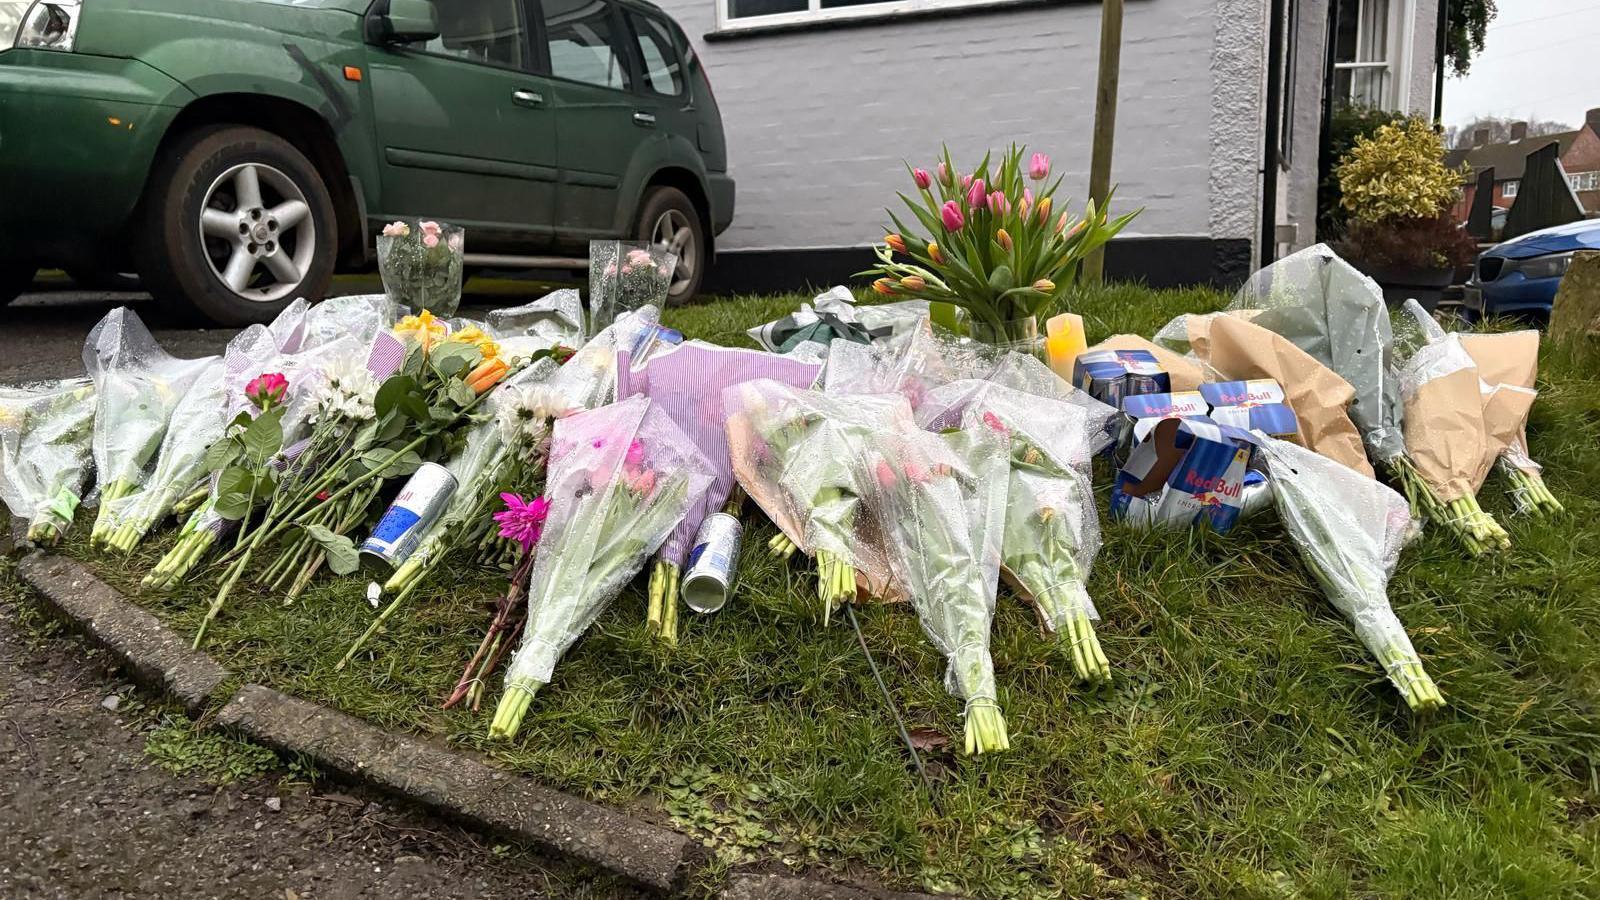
{"x": 1398, "y": 193}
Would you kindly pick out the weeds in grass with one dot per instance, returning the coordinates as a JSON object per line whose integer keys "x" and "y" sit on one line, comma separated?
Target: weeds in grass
{"x": 183, "y": 748}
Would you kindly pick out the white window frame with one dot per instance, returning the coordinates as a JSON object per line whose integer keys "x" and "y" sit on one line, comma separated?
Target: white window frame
{"x": 1584, "y": 181}
{"x": 1401, "y": 33}
{"x": 1509, "y": 189}
{"x": 814, "y": 12}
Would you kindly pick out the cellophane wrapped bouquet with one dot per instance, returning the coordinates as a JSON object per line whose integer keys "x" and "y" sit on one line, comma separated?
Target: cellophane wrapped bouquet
{"x": 138, "y": 385}
{"x": 940, "y": 500}
{"x": 687, "y": 382}
{"x": 626, "y": 277}
{"x": 45, "y": 435}
{"x": 797, "y": 454}
{"x": 620, "y": 477}
{"x": 421, "y": 264}
{"x": 1350, "y": 529}
{"x": 1052, "y": 530}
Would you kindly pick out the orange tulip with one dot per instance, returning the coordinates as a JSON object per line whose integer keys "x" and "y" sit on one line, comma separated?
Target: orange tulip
{"x": 1044, "y": 211}
{"x": 884, "y": 286}
{"x": 895, "y": 242}
{"x": 1045, "y": 286}
{"x": 487, "y": 375}
{"x": 913, "y": 283}
{"x": 1003, "y": 239}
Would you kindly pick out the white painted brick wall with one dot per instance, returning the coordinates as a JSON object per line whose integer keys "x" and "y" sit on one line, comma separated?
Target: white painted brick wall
{"x": 818, "y": 122}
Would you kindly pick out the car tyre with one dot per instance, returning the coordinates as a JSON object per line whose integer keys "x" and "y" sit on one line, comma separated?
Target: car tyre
{"x": 237, "y": 224}
{"x": 669, "y": 218}
{"x": 14, "y": 281}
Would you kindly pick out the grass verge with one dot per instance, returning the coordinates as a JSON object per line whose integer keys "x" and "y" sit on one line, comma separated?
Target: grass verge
{"x": 1248, "y": 745}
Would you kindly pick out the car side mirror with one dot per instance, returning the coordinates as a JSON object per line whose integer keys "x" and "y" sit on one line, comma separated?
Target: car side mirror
{"x": 408, "y": 22}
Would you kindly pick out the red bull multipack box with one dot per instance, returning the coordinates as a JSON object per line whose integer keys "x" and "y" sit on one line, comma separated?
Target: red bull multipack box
{"x": 1111, "y": 375}
{"x": 1256, "y": 405}
{"x": 1189, "y": 471}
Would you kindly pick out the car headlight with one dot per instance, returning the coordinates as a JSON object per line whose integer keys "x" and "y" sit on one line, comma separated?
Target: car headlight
{"x": 1552, "y": 266}
{"x": 50, "y": 25}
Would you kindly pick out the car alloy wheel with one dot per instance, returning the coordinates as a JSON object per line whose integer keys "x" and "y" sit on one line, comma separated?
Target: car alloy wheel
{"x": 257, "y": 232}
{"x": 673, "y": 233}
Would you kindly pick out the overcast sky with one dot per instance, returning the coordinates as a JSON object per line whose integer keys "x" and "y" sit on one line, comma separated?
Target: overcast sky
{"x": 1539, "y": 61}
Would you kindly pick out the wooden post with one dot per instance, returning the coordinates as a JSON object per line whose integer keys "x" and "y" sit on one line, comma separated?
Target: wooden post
{"x": 1105, "y": 122}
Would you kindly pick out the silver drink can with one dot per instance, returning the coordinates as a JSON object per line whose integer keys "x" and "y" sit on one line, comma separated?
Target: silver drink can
{"x": 396, "y": 536}
{"x": 712, "y": 563}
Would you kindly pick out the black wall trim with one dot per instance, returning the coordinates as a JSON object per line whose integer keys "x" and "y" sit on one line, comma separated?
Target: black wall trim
{"x": 918, "y": 15}
{"x": 1160, "y": 262}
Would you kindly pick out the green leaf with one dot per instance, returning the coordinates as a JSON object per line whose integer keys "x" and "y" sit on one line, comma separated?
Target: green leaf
{"x": 460, "y": 394}
{"x": 234, "y": 492}
{"x": 1000, "y": 280}
{"x": 450, "y": 359}
{"x": 340, "y": 550}
{"x": 390, "y": 393}
{"x": 378, "y": 459}
{"x": 222, "y": 453}
{"x": 263, "y": 438}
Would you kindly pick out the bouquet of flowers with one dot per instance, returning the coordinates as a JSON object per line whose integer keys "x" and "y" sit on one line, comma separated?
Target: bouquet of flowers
{"x": 437, "y": 380}
{"x": 626, "y": 277}
{"x": 941, "y": 502}
{"x": 502, "y": 454}
{"x": 180, "y": 464}
{"x": 1350, "y": 529}
{"x": 1052, "y": 530}
{"x": 620, "y": 478}
{"x": 45, "y": 433}
{"x": 421, "y": 264}
{"x": 995, "y": 247}
{"x": 687, "y": 383}
{"x": 796, "y": 453}
{"x": 137, "y": 387}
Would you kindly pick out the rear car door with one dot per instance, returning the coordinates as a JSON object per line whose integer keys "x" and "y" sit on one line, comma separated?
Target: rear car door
{"x": 466, "y": 127}
{"x": 602, "y": 124}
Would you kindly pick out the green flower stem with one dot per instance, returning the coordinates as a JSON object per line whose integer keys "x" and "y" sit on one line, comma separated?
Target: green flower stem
{"x": 1529, "y": 491}
{"x": 781, "y": 547}
{"x": 513, "y": 707}
{"x": 662, "y": 615}
{"x": 377, "y": 623}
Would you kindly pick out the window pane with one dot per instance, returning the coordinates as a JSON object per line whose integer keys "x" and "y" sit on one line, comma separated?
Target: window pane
{"x": 662, "y": 73}
{"x": 1344, "y": 43}
{"x": 486, "y": 31}
{"x": 1367, "y": 86}
{"x": 1374, "y": 31}
{"x": 581, "y": 43}
{"x": 741, "y": 9}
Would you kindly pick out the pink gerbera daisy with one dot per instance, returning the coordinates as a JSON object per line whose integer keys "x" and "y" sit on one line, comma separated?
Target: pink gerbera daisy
{"x": 523, "y": 520}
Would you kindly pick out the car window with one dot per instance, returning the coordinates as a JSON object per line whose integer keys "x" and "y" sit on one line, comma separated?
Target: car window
{"x": 582, "y": 46}
{"x": 484, "y": 31}
{"x": 662, "y": 72}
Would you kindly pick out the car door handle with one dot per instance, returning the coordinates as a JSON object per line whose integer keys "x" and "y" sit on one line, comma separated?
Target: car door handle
{"x": 648, "y": 120}
{"x": 527, "y": 98}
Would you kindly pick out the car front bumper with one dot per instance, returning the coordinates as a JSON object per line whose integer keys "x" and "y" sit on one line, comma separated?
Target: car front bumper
{"x": 78, "y": 134}
{"x": 1511, "y": 294}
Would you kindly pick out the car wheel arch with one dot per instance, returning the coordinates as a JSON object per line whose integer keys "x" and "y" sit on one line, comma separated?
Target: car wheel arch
{"x": 690, "y": 184}
{"x": 304, "y": 128}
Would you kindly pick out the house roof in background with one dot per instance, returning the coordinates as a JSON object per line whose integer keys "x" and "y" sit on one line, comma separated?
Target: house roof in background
{"x": 1507, "y": 159}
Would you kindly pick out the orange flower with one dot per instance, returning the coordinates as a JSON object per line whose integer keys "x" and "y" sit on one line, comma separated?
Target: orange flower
{"x": 1003, "y": 239}
{"x": 935, "y": 254}
{"x": 913, "y": 283}
{"x": 895, "y": 242}
{"x": 487, "y": 374}
{"x": 1045, "y": 286}
{"x": 884, "y": 286}
{"x": 1044, "y": 211}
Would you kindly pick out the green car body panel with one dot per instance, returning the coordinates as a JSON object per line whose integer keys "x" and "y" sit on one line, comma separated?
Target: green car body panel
{"x": 417, "y": 134}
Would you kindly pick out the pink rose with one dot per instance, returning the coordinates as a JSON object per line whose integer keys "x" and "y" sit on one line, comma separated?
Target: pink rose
{"x": 430, "y": 240}
{"x": 268, "y": 390}
{"x": 396, "y": 229}
{"x": 430, "y": 228}
{"x": 993, "y": 421}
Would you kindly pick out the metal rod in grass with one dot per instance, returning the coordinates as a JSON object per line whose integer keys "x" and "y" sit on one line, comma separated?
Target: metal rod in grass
{"x": 899, "y": 723}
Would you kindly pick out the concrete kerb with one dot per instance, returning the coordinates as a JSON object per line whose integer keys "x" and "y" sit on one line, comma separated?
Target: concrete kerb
{"x": 455, "y": 784}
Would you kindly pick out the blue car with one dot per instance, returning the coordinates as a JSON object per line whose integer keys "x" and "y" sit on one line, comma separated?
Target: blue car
{"x": 1519, "y": 278}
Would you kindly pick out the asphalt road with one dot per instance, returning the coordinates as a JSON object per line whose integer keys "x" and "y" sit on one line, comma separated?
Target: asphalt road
{"x": 42, "y": 334}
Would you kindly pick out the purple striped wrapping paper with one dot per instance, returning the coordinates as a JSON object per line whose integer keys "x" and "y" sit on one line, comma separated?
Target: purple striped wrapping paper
{"x": 687, "y": 383}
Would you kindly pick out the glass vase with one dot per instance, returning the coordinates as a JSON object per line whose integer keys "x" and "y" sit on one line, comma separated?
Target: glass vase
{"x": 624, "y": 277}
{"x": 422, "y": 266}
{"x": 1019, "y": 335}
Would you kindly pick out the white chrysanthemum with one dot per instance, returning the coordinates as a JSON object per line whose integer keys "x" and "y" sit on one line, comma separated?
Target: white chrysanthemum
{"x": 346, "y": 392}
{"x": 526, "y": 411}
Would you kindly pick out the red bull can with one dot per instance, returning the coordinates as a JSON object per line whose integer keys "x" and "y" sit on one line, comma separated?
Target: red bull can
{"x": 712, "y": 563}
{"x": 420, "y": 503}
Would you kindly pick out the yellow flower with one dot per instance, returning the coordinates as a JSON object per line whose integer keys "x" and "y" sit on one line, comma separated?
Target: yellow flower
{"x": 474, "y": 335}
{"x": 424, "y": 328}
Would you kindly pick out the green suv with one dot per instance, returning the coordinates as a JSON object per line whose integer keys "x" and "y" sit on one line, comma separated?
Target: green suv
{"x": 237, "y": 152}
